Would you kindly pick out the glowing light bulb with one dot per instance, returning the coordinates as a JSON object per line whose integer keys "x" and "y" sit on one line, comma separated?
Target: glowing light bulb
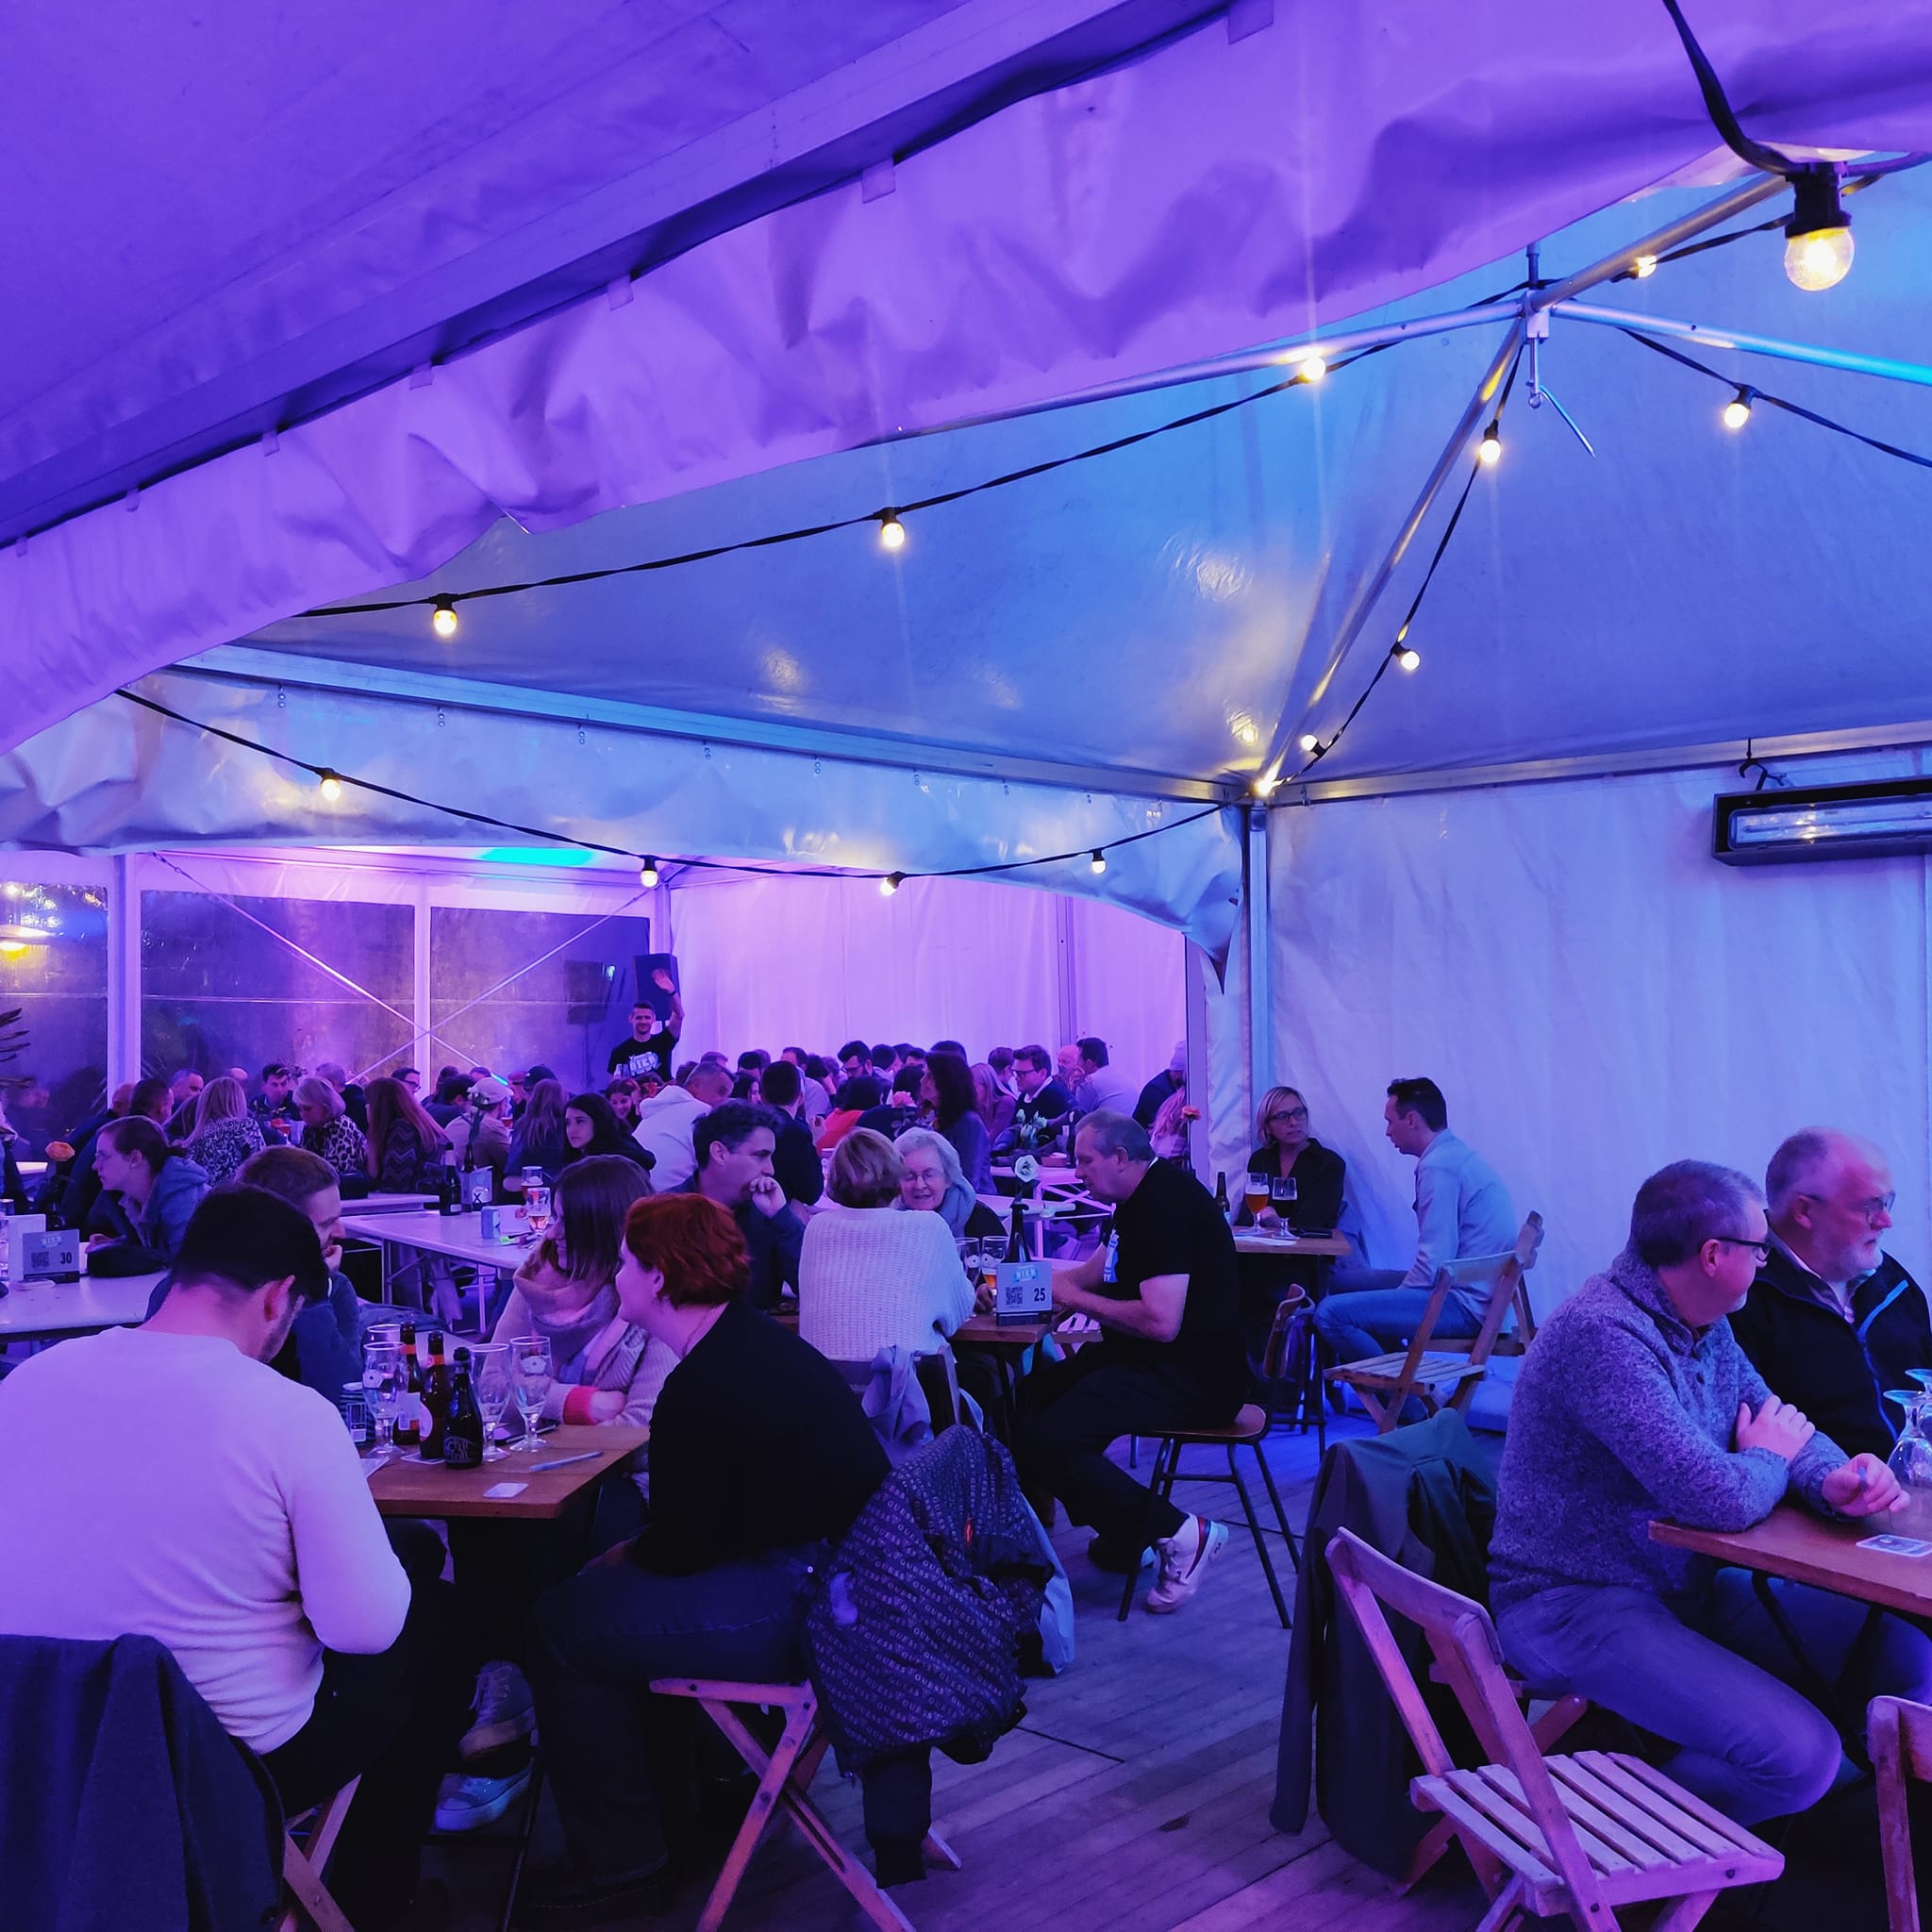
{"x": 1312, "y": 367}
{"x": 891, "y": 532}
{"x": 331, "y": 787}
{"x": 1737, "y": 413}
{"x": 1099, "y": 862}
{"x": 1821, "y": 260}
{"x": 1308, "y": 741}
{"x": 890, "y": 884}
{"x": 11, "y": 949}
{"x": 647, "y": 874}
{"x": 1489, "y": 450}
{"x": 442, "y": 619}
{"x": 1643, "y": 267}
{"x": 1407, "y": 657}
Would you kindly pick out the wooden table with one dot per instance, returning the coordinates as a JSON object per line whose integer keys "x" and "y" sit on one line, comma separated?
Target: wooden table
{"x": 410, "y": 1487}
{"x": 975, "y": 1331}
{"x": 46, "y": 1310}
{"x": 1793, "y": 1543}
{"x": 1328, "y": 1247}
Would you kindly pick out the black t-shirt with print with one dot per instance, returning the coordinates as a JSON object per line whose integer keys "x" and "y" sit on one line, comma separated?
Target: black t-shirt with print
{"x": 1170, "y": 1225}
{"x": 634, "y": 1057}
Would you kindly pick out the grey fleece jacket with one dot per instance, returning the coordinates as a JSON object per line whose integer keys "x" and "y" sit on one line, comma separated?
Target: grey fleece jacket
{"x": 1623, "y": 1414}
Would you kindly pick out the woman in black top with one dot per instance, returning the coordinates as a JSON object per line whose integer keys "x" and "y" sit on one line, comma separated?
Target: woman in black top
{"x": 760, "y": 1459}
{"x": 1281, "y": 1126}
{"x": 590, "y": 1126}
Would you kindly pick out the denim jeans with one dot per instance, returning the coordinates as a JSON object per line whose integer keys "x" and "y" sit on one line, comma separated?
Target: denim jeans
{"x": 620, "y": 1760}
{"x": 1716, "y": 1677}
{"x": 1357, "y": 1321}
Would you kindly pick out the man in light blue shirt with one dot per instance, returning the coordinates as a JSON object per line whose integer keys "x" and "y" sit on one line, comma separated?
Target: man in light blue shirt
{"x": 1462, "y": 1208}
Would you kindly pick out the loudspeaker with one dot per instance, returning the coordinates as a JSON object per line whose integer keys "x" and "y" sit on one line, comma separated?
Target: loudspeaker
{"x": 588, "y": 983}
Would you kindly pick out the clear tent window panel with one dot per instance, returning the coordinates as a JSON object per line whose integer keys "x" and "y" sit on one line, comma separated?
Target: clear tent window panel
{"x": 510, "y": 989}
{"x": 238, "y": 985}
{"x": 53, "y": 977}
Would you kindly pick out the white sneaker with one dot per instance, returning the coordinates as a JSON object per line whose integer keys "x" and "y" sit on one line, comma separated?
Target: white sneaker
{"x": 504, "y": 1712}
{"x": 1184, "y": 1559}
{"x": 468, "y": 1803}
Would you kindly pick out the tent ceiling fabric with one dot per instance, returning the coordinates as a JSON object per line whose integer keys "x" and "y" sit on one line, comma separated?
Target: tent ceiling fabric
{"x": 1218, "y": 192}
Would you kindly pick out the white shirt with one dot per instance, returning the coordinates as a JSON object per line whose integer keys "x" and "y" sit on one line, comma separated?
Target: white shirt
{"x": 879, "y": 1277}
{"x": 664, "y": 1129}
{"x": 169, "y": 1486}
{"x": 1107, "y": 1086}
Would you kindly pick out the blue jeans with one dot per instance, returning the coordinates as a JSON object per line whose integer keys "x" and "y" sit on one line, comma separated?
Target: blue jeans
{"x": 619, "y": 1760}
{"x": 1378, "y": 1316}
{"x": 1715, "y": 1676}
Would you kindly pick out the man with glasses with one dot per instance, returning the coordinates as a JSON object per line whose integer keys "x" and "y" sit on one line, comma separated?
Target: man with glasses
{"x": 1832, "y": 1320}
{"x": 1634, "y": 1403}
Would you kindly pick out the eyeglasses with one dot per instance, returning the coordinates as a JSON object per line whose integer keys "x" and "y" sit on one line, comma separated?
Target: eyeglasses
{"x": 1292, "y": 1113}
{"x": 1761, "y": 1248}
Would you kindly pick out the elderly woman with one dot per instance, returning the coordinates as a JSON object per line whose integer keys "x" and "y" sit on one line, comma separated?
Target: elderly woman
{"x": 224, "y": 1133}
{"x": 761, "y": 1457}
{"x": 871, "y": 1277}
{"x": 930, "y": 1180}
{"x": 326, "y": 1129}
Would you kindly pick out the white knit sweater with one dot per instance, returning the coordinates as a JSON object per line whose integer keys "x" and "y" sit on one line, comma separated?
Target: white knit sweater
{"x": 875, "y": 1277}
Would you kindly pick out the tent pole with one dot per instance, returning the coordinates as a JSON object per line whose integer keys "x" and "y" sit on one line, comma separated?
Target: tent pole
{"x": 124, "y": 971}
{"x": 1747, "y": 194}
{"x": 1260, "y": 1018}
{"x": 1714, "y": 338}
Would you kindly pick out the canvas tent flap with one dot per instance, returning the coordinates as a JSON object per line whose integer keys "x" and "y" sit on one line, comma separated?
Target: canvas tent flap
{"x": 1214, "y": 193}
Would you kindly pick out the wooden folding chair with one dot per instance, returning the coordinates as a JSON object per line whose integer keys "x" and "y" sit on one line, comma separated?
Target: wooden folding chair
{"x": 1579, "y": 1835}
{"x": 303, "y": 1867}
{"x": 1900, "y": 1735}
{"x": 785, "y": 1774}
{"x": 1385, "y": 1383}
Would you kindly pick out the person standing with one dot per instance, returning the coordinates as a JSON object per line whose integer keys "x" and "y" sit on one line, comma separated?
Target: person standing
{"x": 1163, "y": 1288}
{"x": 1462, "y": 1208}
{"x": 652, "y": 1043}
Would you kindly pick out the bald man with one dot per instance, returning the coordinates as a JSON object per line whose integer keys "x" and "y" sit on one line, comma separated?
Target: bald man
{"x": 1832, "y": 1321}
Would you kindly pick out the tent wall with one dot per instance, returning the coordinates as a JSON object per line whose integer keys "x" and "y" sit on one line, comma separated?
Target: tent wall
{"x": 776, "y": 962}
{"x": 1595, "y": 996}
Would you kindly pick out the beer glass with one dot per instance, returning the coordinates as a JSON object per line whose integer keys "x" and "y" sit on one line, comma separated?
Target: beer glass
{"x": 490, "y": 1381}
{"x": 385, "y": 1376}
{"x": 1255, "y": 1197}
{"x": 1283, "y": 1194}
{"x": 530, "y": 1375}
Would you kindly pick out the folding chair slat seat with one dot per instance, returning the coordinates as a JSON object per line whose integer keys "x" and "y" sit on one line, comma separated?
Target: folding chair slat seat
{"x": 1385, "y": 1383}
{"x": 1576, "y": 1835}
{"x": 785, "y": 1773}
{"x": 303, "y": 1867}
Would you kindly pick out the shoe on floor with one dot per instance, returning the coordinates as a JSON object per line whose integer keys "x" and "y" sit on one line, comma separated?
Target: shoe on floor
{"x": 504, "y": 1712}
{"x": 1112, "y": 1558}
{"x": 1184, "y": 1559}
{"x": 556, "y": 1901}
{"x": 467, "y": 1803}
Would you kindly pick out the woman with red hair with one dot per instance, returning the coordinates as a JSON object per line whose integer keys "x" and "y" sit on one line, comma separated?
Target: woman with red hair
{"x": 760, "y": 1459}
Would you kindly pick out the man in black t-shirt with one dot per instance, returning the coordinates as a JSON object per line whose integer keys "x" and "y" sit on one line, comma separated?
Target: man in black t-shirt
{"x": 1163, "y": 1287}
{"x": 649, "y": 1049}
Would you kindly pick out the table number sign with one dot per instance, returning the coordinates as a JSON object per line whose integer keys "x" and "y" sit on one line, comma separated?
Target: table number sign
{"x": 1024, "y": 1291}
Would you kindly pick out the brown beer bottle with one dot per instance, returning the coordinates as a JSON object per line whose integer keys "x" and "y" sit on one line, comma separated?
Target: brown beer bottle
{"x": 409, "y": 1414}
{"x": 462, "y": 1432}
{"x": 435, "y": 1390}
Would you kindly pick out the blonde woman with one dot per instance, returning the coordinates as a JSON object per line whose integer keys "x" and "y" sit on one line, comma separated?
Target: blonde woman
{"x": 1286, "y": 1147}
{"x": 326, "y": 1129}
{"x": 226, "y": 1133}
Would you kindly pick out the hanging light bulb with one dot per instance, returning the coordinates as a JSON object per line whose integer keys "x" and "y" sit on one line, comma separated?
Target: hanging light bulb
{"x": 1818, "y": 236}
{"x": 1407, "y": 656}
{"x": 442, "y": 618}
{"x": 331, "y": 786}
{"x": 891, "y": 531}
{"x": 1643, "y": 267}
{"x": 1737, "y": 413}
{"x": 647, "y": 874}
{"x": 1489, "y": 450}
{"x": 1312, "y": 367}
{"x": 1308, "y": 741}
{"x": 1099, "y": 862}
{"x": 890, "y": 884}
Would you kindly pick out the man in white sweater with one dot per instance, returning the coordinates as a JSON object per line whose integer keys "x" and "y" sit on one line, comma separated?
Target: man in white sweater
{"x": 219, "y": 1507}
{"x": 668, "y": 1121}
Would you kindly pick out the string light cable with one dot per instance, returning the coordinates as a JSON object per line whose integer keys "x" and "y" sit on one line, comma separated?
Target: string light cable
{"x": 327, "y": 777}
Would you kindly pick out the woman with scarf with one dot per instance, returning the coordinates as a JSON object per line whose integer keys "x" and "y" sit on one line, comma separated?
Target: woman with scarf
{"x": 931, "y": 1179}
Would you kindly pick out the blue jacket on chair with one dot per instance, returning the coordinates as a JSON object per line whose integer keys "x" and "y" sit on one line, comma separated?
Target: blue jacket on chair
{"x": 124, "y": 1804}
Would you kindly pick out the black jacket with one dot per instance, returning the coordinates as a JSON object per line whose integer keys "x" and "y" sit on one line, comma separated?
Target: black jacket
{"x": 1319, "y": 1175}
{"x": 1837, "y": 1371}
{"x": 1033, "y": 1127}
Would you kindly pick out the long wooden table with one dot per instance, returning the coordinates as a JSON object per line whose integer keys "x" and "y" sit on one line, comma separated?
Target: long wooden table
{"x": 975, "y": 1331}
{"x": 1327, "y": 1247}
{"x": 1793, "y": 1543}
{"x": 405, "y": 1486}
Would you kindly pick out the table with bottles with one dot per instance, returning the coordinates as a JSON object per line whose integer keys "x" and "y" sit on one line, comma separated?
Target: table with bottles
{"x": 405, "y": 1485}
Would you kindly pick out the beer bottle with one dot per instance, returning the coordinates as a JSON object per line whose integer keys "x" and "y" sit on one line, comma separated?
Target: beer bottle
{"x": 462, "y": 1429}
{"x": 409, "y": 1415}
{"x": 1220, "y": 1200}
{"x": 1016, "y": 1236}
{"x": 435, "y": 1392}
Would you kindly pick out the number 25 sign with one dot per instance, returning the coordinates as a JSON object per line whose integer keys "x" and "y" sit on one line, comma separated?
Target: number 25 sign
{"x": 1024, "y": 1291}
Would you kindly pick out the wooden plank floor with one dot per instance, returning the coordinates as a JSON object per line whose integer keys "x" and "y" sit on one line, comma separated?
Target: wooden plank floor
{"x": 1134, "y": 1797}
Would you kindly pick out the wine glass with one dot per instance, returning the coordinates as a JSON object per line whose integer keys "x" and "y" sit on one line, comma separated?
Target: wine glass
{"x": 1282, "y": 1191}
{"x": 530, "y": 1374}
{"x": 490, "y": 1381}
{"x": 537, "y": 1209}
{"x": 385, "y": 1374}
{"x": 1254, "y": 1196}
{"x": 1910, "y": 1460}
